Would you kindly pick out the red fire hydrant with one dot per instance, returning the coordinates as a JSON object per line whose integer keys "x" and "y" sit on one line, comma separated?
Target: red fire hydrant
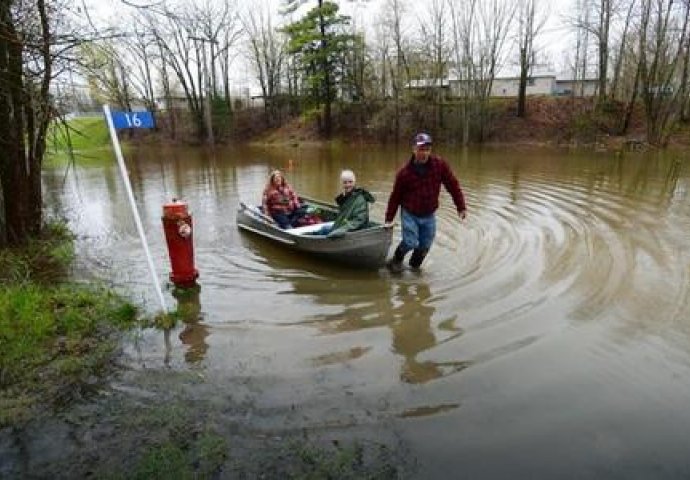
{"x": 177, "y": 224}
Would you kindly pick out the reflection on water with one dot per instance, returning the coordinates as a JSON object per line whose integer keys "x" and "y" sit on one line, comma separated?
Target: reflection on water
{"x": 339, "y": 357}
{"x": 407, "y": 311}
{"x": 195, "y": 332}
{"x": 426, "y": 411}
{"x": 412, "y": 335}
{"x": 569, "y": 281}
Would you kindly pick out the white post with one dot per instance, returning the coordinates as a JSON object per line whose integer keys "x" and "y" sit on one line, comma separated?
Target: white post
{"x": 130, "y": 195}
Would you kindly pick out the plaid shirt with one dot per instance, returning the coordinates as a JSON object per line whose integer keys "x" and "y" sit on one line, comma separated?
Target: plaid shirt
{"x": 418, "y": 193}
{"x": 280, "y": 200}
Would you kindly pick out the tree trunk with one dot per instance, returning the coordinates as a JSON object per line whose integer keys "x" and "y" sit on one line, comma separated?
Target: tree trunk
{"x": 522, "y": 87}
{"x": 165, "y": 82}
{"x": 604, "y": 25}
{"x": 683, "y": 90}
{"x": 327, "y": 93}
{"x": 684, "y": 114}
{"x": 13, "y": 164}
{"x": 43, "y": 109}
{"x": 621, "y": 51}
{"x": 631, "y": 104}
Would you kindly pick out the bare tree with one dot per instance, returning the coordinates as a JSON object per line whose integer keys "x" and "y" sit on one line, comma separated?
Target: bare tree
{"x": 463, "y": 15}
{"x": 393, "y": 13}
{"x": 480, "y": 30}
{"x": 582, "y": 29}
{"x": 105, "y": 66}
{"x": 220, "y": 27}
{"x": 496, "y": 16}
{"x": 356, "y": 67}
{"x": 638, "y": 57}
{"x": 620, "y": 56}
{"x": 530, "y": 25}
{"x": 174, "y": 30}
{"x": 602, "y": 34}
{"x": 192, "y": 40}
{"x": 684, "y": 89}
{"x": 216, "y": 30}
{"x": 594, "y": 18}
{"x": 142, "y": 48}
{"x": 663, "y": 35}
{"x": 434, "y": 45}
{"x": 266, "y": 53}
{"x": 381, "y": 52}
{"x": 163, "y": 70}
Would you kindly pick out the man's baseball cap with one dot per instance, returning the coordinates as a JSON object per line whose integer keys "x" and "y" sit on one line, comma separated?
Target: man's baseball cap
{"x": 422, "y": 139}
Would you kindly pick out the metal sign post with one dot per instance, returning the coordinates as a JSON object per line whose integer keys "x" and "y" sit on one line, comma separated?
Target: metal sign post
{"x": 132, "y": 120}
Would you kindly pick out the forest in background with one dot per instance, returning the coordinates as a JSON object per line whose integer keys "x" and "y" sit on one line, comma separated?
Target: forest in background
{"x": 314, "y": 64}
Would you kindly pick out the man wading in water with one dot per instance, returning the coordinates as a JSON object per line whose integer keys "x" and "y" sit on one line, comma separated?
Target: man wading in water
{"x": 416, "y": 190}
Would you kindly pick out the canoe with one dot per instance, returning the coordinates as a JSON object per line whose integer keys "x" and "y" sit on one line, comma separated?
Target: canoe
{"x": 365, "y": 248}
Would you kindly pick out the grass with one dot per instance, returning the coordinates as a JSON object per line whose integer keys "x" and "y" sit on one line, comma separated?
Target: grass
{"x": 89, "y": 140}
{"x": 196, "y": 458}
{"x": 198, "y": 452}
{"x": 56, "y": 338}
{"x": 84, "y": 133}
{"x": 56, "y": 342}
{"x": 172, "y": 443}
{"x": 201, "y": 457}
{"x": 206, "y": 455}
{"x": 43, "y": 260}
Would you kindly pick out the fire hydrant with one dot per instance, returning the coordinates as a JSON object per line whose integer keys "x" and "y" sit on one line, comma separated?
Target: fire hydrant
{"x": 177, "y": 224}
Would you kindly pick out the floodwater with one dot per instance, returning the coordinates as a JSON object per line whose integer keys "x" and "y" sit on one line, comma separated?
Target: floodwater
{"x": 548, "y": 335}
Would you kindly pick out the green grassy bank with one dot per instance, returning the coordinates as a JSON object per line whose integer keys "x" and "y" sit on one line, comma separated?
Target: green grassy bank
{"x": 58, "y": 339}
{"x": 84, "y": 133}
{"x": 84, "y": 139}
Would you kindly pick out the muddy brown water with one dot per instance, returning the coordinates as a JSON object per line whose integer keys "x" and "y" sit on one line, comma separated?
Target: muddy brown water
{"x": 548, "y": 336}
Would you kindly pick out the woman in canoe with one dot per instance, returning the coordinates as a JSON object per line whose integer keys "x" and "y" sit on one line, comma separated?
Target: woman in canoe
{"x": 280, "y": 201}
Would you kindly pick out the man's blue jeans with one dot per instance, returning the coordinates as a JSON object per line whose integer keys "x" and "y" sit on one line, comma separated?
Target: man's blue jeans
{"x": 417, "y": 232}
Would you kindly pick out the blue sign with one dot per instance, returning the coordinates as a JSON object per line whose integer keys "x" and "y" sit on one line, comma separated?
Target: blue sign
{"x": 133, "y": 119}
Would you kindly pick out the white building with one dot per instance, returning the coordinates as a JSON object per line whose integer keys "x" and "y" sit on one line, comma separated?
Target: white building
{"x": 541, "y": 84}
{"x": 578, "y": 88}
{"x": 536, "y": 85}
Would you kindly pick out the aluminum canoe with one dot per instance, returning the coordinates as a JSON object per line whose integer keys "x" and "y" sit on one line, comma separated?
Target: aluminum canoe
{"x": 365, "y": 248}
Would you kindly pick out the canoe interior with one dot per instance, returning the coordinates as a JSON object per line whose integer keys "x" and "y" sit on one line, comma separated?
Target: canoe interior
{"x": 364, "y": 248}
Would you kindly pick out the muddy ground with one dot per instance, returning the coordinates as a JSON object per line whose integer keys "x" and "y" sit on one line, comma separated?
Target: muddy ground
{"x": 162, "y": 423}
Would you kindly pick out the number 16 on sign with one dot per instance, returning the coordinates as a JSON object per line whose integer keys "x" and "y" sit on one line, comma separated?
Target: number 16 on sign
{"x": 132, "y": 120}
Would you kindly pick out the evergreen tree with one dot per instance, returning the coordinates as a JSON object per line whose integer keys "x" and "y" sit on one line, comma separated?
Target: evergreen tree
{"x": 318, "y": 43}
